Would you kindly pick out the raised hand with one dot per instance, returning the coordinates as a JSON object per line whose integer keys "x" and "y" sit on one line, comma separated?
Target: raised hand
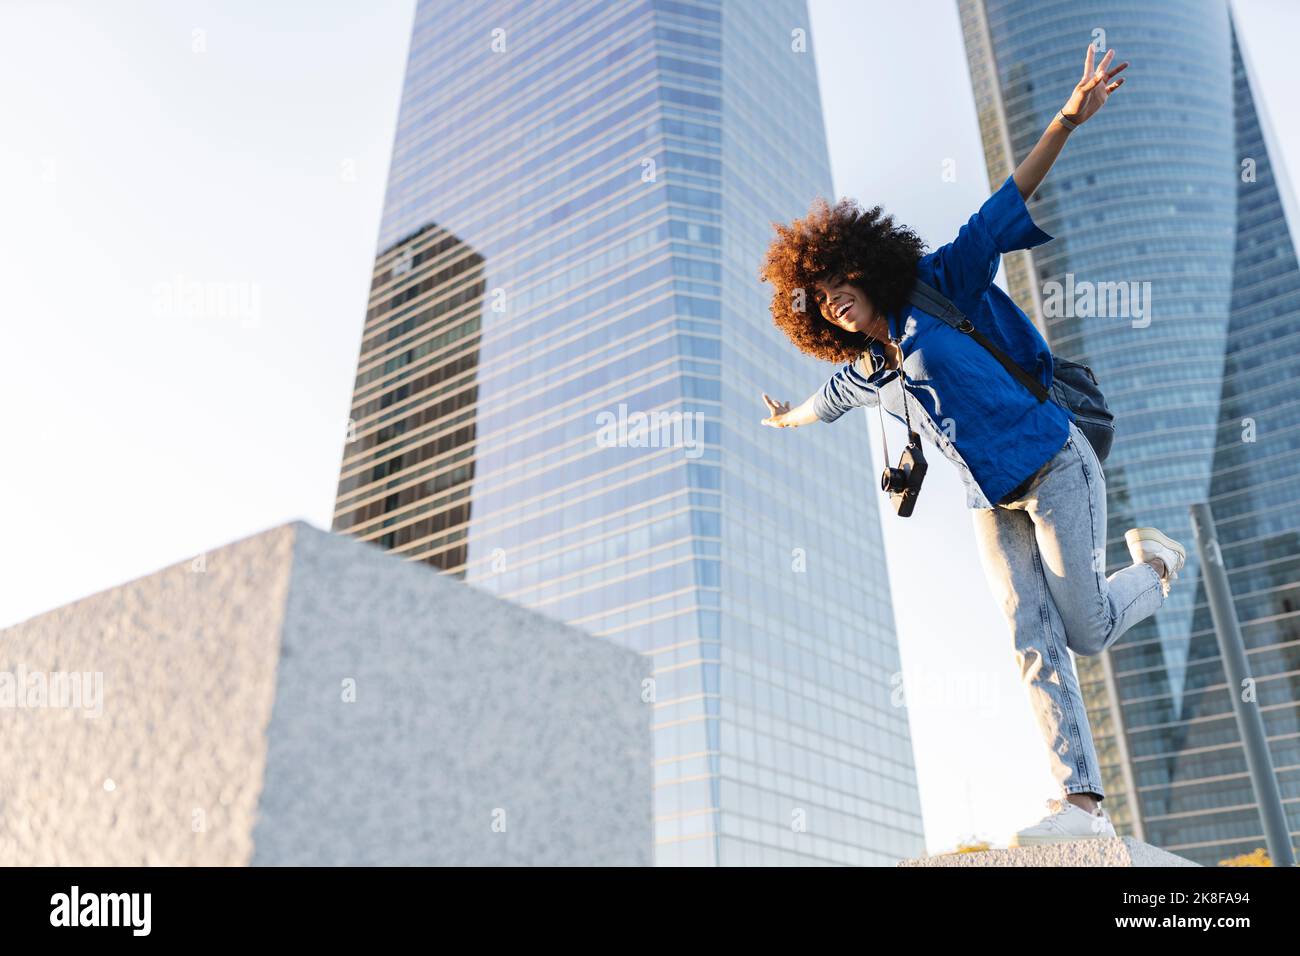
{"x": 1093, "y": 88}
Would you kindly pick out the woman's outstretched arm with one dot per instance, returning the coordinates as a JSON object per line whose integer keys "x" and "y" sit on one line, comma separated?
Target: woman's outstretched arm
{"x": 1089, "y": 96}
{"x": 847, "y": 388}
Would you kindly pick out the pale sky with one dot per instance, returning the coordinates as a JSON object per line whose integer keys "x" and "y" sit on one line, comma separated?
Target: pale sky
{"x": 244, "y": 145}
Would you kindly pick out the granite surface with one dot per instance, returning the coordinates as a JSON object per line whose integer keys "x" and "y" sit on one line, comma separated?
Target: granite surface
{"x": 1116, "y": 851}
{"x": 299, "y": 697}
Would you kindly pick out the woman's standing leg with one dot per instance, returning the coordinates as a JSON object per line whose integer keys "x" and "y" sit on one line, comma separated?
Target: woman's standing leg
{"x": 1014, "y": 567}
{"x": 1067, "y": 503}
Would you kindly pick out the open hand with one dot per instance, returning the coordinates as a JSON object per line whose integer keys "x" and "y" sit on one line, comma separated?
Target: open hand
{"x": 1091, "y": 91}
{"x": 776, "y": 410}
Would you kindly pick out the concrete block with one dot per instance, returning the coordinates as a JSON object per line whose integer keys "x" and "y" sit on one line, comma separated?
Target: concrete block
{"x": 1117, "y": 851}
{"x": 299, "y": 697}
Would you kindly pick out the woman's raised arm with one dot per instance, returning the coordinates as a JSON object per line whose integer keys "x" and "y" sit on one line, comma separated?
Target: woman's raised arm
{"x": 1089, "y": 96}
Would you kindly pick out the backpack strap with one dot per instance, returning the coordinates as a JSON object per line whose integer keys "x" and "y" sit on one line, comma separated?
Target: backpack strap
{"x": 929, "y": 299}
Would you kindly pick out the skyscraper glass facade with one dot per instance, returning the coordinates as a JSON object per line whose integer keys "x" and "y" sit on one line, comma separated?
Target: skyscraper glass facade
{"x": 579, "y": 199}
{"x": 1166, "y": 212}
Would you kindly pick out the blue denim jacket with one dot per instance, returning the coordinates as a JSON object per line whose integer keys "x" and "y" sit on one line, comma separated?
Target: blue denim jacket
{"x": 985, "y": 422}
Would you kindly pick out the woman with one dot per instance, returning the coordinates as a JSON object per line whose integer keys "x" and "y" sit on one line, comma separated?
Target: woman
{"x": 1034, "y": 484}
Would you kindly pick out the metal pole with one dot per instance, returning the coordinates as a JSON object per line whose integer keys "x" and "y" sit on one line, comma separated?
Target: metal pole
{"x": 1249, "y": 722}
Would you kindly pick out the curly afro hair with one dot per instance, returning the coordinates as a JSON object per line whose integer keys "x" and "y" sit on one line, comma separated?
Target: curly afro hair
{"x": 835, "y": 244}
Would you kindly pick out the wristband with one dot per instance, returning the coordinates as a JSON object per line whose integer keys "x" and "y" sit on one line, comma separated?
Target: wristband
{"x": 1068, "y": 124}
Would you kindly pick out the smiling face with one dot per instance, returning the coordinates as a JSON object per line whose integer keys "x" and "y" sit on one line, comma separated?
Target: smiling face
{"x": 845, "y": 305}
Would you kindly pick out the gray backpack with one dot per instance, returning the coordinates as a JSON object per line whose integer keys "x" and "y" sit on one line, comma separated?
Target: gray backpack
{"x": 1074, "y": 386}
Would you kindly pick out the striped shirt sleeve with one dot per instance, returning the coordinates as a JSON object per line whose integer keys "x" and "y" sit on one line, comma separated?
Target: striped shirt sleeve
{"x": 847, "y": 388}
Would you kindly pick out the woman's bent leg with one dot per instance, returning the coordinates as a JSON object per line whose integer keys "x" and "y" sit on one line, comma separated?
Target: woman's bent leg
{"x": 1013, "y": 565}
{"x": 1068, "y": 506}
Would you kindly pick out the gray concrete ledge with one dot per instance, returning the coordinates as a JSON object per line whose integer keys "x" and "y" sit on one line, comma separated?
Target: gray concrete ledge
{"x": 299, "y": 697}
{"x": 1119, "y": 851}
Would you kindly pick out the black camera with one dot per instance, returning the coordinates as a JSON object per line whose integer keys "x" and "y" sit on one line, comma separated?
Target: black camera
{"x": 904, "y": 482}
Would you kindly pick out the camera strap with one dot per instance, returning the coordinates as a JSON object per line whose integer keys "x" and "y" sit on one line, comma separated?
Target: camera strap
{"x": 884, "y": 441}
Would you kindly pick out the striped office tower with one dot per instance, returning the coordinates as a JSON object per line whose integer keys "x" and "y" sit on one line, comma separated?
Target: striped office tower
{"x": 558, "y": 400}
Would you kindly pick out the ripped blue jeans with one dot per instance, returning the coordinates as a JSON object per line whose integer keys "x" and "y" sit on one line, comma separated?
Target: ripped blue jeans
{"x": 1045, "y": 557}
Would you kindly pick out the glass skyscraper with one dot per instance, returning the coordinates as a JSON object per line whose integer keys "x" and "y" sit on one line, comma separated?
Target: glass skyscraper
{"x": 1166, "y": 210}
{"x": 579, "y": 200}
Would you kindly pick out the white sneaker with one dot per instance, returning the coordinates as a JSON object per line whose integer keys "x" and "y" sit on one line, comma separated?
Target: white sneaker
{"x": 1066, "y": 822}
{"x": 1146, "y": 543}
